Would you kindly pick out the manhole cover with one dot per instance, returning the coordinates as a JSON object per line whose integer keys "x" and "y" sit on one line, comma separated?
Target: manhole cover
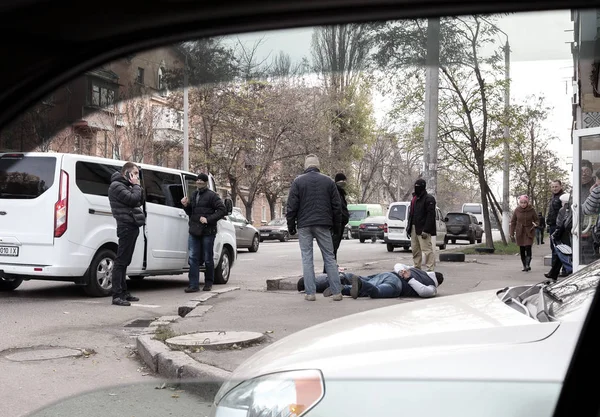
{"x": 140, "y": 323}
{"x": 43, "y": 354}
{"x": 215, "y": 339}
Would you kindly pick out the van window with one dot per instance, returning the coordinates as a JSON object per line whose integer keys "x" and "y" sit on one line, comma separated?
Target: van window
{"x": 358, "y": 214}
{"x": 190, "y": 183}
{"x": 398, "y": 212}
{"x": 93, "y": 178}
{"x": 25, "y": 177}
{"x": 163, "y": 188}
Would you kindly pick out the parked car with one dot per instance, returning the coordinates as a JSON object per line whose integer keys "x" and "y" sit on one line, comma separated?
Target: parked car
{"x": 371, "y": 228}
{"x": 57, "y": 222}
{"x": 246, "y": 235}
{"x": 463, "y": 226}
{"x": 396, "y": 219}
{"x": 276, "y": 229}
{"x": 358, "y": 213}
{"x": 506, "y": 350}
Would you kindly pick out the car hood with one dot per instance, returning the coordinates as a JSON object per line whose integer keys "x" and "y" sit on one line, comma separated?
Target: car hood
{"x": 466, "y": 335}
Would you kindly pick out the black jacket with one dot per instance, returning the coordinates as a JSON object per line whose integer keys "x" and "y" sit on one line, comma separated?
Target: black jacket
{"x": 313, "y": 200}
{"x": 206, "y": 203}
{"x": 422, "y": 215}
{"x": 345, "y": 212}
{"x": 126, "y": 201}
{"x": 553, "y": 207}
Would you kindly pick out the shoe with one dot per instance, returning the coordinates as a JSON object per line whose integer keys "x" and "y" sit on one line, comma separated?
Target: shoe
{"x": 191, "y": 289}
{"x": 120, "y": 302}
{"x": 356, "y": 286}
{"x": 337, "y": 297}
{"x": 132, "y": 298}
{"x": 310, "y": 297}
{"x": 327, "y": 292}
{"x": 547, "y": 275}
{"x": 563, "y": 274}
{"x": 207, "y": 288}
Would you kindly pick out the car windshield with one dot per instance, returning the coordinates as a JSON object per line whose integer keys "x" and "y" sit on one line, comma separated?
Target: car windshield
{"x": 98, "y": 288}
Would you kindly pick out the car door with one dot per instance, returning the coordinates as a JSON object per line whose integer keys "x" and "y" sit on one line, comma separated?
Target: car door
{"x": 243, "y": 234}
{"x": 167, "y": 222}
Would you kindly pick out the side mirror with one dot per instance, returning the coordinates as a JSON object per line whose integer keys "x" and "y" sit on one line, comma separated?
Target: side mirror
{"x": 445, "y": 219}
{"x": 229, "y": 205}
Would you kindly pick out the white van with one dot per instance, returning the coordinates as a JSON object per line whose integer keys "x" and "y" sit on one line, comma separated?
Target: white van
{"x": 56, "y": 223}
{"x": 476, "y": 209}
{"x": 394, "y": 233}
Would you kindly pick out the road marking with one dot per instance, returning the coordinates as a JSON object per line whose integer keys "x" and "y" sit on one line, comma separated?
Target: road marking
{"x": 145, "y": 305}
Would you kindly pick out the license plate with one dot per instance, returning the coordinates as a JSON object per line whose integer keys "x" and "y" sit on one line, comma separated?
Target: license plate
{"x": 373, "y": 228}
{"x": 9, "y": 251}
{"x": 264, "y": 234}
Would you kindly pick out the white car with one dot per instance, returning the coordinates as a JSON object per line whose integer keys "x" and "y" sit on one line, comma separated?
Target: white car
{"x": 56, "y": 222}
{"x": 495, "y": 353}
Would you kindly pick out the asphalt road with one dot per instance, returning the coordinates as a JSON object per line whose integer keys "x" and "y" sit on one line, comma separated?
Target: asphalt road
{"x": 43, "y": 314}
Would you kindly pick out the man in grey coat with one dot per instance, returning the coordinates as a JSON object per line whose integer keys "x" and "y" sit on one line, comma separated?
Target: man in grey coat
{"x": 126, "y": 198}
{"x": 314, "y": 209}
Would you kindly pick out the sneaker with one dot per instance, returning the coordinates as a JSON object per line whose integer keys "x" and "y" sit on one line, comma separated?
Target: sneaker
{"x": 191, "y": 289}
{"x": 310, "y": 297}
{"x": 327, "y": 292}
{"x": 337, "y": 297}
{"x": 131, "y": 298}
{"x": 207, "y": 288}
{"x": 120, "y": 302}
{"x": 356, "y": 286}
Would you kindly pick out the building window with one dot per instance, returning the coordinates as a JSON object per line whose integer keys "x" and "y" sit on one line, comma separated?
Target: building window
{"x": 140, "y": 76}
{"x": 102, "y": 96}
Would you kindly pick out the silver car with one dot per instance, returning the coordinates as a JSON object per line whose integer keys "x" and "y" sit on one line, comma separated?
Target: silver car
{"x": 276, "y": 229}
{"x": 246, "y": 235}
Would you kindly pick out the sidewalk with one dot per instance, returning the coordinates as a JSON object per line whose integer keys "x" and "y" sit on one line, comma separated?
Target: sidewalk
{"x": 276, "y": 314}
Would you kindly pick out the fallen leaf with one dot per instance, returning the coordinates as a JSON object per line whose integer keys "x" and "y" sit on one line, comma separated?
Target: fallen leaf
{"x": 175, "y": 396}
{"x": 269, "y": 331}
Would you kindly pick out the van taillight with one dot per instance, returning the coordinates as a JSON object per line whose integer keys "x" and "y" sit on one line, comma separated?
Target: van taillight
{"x": 61, "y": 206}
{"x": 385, "y": 229}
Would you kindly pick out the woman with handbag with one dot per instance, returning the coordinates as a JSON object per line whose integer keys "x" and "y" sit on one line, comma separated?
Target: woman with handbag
{"x": 522, "y": 229}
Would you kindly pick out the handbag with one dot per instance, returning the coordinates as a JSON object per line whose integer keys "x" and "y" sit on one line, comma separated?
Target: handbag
{"x": 564, "y": 249}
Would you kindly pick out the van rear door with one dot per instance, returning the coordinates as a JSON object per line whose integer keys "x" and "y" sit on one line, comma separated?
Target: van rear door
{"x": 31, "y": 214}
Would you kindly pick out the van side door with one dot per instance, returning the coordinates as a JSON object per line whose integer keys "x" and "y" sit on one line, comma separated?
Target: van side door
{"x": 166, "y": 222}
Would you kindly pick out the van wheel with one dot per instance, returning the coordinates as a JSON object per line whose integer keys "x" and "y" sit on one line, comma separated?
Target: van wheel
{"x": 99, "y": 275}
{"x": 223, "y": 270}
{"x": 254, "y": 246}
{"x": 390, "y": 248}
{"x": 406, "y": 248}
{"x": 478, "y": 240}
{"x": 362, "y": 240}
{"x": 9, "y": 282}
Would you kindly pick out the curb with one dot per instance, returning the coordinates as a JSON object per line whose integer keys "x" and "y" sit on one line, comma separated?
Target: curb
{"x": 288, "y": 283}
{"x": 175, "y": 364}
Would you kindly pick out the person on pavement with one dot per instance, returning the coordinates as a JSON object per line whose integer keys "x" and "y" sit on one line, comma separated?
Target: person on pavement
{"x": 340, "y": 182}
{"x": 126, "y": 199}
{"x": 562, "y": 239}
{"x": 522, "y": 229}
{"x": 205, "y": 210}
{"x": 404, "y": 281}
{"x": 554, "y": 206}
{"x": 421, "y": 226}
{"x": 314, "y": 208}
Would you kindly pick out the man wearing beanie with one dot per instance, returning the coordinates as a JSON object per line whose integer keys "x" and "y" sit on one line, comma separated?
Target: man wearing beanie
{"x": 340, "y": 182}
{"x": 421, "y": 225}
{"x": 205, "y": 209}
{"x": 314, "y": 209}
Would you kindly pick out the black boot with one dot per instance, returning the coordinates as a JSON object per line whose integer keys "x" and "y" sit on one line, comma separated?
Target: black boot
{"x": 523, "y": 261}
{"x": 528, "y": 263}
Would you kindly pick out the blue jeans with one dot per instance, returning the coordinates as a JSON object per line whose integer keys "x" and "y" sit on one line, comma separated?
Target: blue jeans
{"x": 323, "y": 236}
{"x": 201, "y": 252}
{"x": 566, "y": 260}
{"x": 383, "y": 285}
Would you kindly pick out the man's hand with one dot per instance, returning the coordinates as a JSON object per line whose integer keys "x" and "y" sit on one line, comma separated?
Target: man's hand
{"x": 184, "y": 201}
{"x": 424, "y": 235}
{"x": 134, "y": 180}
{"x": 292, "y": 230}
{"x": 203, "y": 220}
{"x": 513, "y": 238}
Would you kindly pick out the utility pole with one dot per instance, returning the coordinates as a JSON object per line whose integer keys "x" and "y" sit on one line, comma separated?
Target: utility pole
{"x": 506, "y": 136}
{"x": 186, "y": 143}
{"x": 432, "y": 78}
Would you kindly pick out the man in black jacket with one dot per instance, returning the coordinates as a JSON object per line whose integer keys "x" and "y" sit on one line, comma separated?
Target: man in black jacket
{"x": 340, "y": 183}
{"x": 314, "y": 208}
{"x": 126, "y": 198}
{"x": 421, "y": 226}
{"x": 554, "y": 205}
{"x": 205, "y": 209}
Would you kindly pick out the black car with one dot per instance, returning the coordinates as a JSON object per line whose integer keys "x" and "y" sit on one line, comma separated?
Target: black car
{"x": 276, "y": 229}
{"x": 371, "y": 228}
{"x": 462, "y": 226}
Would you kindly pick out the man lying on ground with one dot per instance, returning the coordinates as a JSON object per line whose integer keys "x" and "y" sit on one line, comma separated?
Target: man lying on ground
{"x": 404, "y": 281}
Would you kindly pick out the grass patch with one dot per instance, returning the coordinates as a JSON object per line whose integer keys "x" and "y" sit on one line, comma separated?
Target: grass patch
{"x": 500, "y": 249}
{"x": 163, "y": 333}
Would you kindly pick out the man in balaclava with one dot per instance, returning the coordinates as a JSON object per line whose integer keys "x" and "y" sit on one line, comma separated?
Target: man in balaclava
{"x": 421, "y": 226}
{"x": 340, "y": 183}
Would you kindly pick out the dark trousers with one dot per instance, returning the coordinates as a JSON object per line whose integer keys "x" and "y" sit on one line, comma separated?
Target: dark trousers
{"x": 127, "y": 237}
{"x": 551, "y": 230}
{"x": 201, "y": 252}
{"x": 525, "y": 254}
{"x": 336, "y": 238}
